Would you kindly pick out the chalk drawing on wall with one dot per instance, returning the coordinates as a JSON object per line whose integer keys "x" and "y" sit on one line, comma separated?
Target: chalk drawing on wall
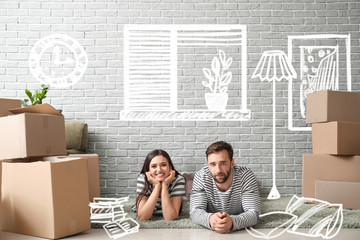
{"x": 323, "y": 63}
{"x": 219, "y": 77}
{"x": 58, "y": 60}
{"x": 164, "y": 77}
{"x": 319, "y": 70}
{"x": 311, "y": 215}
{"x": 274, "y": 66}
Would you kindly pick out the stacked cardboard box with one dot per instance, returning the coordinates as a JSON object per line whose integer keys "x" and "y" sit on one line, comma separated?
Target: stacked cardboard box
{"x": 42, "y": 194}
{"x": 92, "y": 161}
{"x": 47, "y": 197}
{"x": 331, "y": 173}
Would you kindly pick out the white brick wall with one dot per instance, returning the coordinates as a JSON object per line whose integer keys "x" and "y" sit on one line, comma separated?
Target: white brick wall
{"x": 98, "y": 98}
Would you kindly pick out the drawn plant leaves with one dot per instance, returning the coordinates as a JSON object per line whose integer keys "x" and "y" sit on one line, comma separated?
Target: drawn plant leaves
{"x": 228, "y": 63}
{"x": 223, "y": 89}
{"x": 226, "y": 79}
{"x": 215, "y": 66}
{"x": 207, "y": 73}
{"x": 222, "y": 56}
{"x": 205, "y": 84}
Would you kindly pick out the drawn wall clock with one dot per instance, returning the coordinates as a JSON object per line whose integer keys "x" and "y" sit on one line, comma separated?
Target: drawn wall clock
{"x": 58, "y": 60}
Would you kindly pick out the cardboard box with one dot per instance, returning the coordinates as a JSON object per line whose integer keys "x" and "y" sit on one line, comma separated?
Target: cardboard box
{"x": 7, "y": 104}
{"x": 328, "y": 106}
{"x": 93, "y": 173}
{"x": 342, "y": 138}
{"x": 0, "y": 197}
{"x": 47, "y": 198}
{"x": 347, "y": 193}
{"x": 328, "y": 168}
{"x": 33, "y": 131}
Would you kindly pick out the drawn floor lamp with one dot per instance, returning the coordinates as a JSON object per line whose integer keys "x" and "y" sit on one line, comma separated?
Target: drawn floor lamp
{"x": 274, "y": 66}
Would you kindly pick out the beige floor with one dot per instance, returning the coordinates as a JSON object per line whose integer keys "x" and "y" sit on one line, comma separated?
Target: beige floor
{"x": 182, "y": 234}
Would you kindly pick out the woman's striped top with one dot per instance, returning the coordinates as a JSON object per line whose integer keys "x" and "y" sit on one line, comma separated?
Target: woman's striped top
{"x": 176, "y": 189}
{"x": 241, "y": 201}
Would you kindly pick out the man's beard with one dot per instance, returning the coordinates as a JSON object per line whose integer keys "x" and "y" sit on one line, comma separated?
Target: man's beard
{"x": 224, "y": 179}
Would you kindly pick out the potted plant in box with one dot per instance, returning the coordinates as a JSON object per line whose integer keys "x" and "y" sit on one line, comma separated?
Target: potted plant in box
{"x": 35, "y": 98}
{"x": 219, "y": 78}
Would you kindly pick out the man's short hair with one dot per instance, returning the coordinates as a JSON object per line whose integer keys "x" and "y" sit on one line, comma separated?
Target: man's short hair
{"x": 218, "y": 147}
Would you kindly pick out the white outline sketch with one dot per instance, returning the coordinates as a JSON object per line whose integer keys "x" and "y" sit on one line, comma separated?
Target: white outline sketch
{"x": 275, "y": 232}
{"x": 106, "y": 210}
{"x": 121, "y": 228}
{"x": 325, "y": 72}
{"x": 111, "y": 212}
{"x": 56, "y": 42}
{"x": 274, "y": 66}
{"x": 326, "y": 228}
{"x": 150, "y": 84}
{"x": 219, "y": 78}
{"x": 324, "y": 76}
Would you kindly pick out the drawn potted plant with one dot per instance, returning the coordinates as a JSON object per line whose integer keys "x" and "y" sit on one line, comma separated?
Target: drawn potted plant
{"x": 219, "y": 78}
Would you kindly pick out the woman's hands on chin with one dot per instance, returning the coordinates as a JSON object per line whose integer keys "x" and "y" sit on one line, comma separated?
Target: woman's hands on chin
{"x": 151, "y": 179}
{"x": 170, "y": 178}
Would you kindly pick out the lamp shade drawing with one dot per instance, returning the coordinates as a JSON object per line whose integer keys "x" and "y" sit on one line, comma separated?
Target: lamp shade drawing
{"x": 274, "y": 66}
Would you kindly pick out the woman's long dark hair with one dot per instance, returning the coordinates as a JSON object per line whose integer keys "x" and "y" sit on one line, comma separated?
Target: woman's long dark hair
{"x": 146, "y": 167}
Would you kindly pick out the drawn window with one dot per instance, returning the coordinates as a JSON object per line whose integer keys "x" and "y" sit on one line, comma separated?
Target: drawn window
{"x": 163, "y": 71}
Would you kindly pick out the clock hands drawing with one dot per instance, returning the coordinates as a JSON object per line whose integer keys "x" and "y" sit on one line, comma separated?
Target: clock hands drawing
{"x": 56, "y": 56}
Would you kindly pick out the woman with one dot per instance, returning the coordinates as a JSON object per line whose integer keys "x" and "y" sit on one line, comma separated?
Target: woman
{"x": 160, "y": 188}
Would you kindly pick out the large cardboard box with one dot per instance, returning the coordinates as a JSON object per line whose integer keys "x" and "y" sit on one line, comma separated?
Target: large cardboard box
{"x": 347, "y": 193}
{"x": 342, "y": 138}
{"x": 92, "y": 161}
{"x": 33, "y": 131}
{"x": 328, "y": 168}
{"x": 47, "y": 198}
{"x": 7, "y": 104}
{"x": 327, "y": 106}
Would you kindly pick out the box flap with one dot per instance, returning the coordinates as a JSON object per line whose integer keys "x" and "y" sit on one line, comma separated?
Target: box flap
{"x": 6, "y": 104}
{"x": 41, "y": 109}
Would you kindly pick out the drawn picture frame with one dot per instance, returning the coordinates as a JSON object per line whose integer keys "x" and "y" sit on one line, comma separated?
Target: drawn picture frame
{"x": 296, "y": 122}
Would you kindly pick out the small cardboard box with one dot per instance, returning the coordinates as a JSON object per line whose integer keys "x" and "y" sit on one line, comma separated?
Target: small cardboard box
{"x": 7, "y": 104}
{"x": 347, "y": 193}
{"x": 327, "y": 106}
{"x": 47, "y": 198}
{"x": 93, "y": 173}
{"x": 33, "y": 131}
{"x": 341, "y": 138}
{"x": 328, "y": 168}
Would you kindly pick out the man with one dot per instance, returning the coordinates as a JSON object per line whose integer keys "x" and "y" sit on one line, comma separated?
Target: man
{"x": 224, "y": 197}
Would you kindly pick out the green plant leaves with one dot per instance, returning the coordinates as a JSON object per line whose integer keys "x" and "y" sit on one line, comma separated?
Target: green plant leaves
{"x": 29, "y": 94}
{"x": 35, "y": 98}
